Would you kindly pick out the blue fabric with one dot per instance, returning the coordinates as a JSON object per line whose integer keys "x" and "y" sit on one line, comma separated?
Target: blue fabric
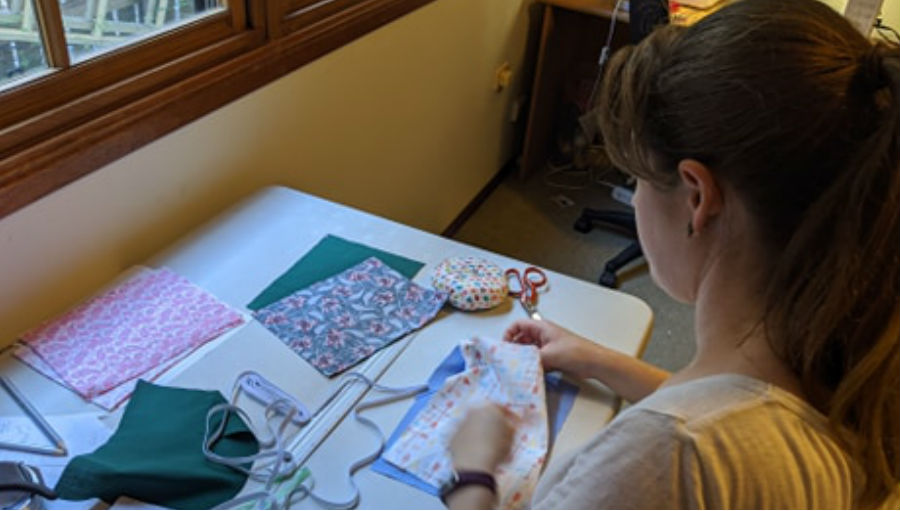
{"x": 560, "y": 399}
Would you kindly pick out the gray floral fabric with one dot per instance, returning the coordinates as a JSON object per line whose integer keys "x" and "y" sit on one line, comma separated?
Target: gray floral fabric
{"x": 342, "y": 320}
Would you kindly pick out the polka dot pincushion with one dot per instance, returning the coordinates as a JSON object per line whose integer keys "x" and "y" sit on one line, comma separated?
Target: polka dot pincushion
{"x": 471, "y": 282}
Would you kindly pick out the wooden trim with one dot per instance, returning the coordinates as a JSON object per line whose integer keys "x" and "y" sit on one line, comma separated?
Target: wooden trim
{"x": 77, "y": 116}
{"x": 35, "y": 97}
{"x": 140, "y": 117}
{"x": 53, "y": 35}
{"x": 304, "y": 12}
{"x": 238, "y": 10}
{"x": 478, "y": 200}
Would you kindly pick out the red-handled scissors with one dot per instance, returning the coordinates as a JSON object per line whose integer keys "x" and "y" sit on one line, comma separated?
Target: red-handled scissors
{"x": 524, "y": 286}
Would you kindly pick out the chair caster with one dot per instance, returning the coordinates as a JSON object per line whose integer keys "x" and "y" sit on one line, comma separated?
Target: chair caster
{"x": 608, "y": 279}
{"x": 583, "y": 224}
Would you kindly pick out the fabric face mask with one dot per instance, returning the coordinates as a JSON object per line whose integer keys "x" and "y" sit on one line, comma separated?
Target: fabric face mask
{"x": 156, "y": 454}
{"x": 506, "y": 374}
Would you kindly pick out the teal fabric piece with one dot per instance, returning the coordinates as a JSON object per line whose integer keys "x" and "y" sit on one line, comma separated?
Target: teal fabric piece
{"x": 156, "y": 454}
{"x": 330, "y": 256}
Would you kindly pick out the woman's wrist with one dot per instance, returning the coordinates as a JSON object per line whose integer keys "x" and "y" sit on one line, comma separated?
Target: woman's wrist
{"x": 595, "y": 361}
{"x": 630, "y": 377}
{"x": 471, "y": 497}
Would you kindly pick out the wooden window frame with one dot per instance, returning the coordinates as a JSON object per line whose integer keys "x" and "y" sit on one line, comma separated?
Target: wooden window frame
{"x": 66, "y": 124}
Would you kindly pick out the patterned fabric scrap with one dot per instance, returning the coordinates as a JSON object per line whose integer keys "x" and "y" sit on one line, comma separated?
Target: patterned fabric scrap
{"x": 507, "y": 374}
{"x": 146, "y": 322}
{"x": 108, "y": 400}
{"x": 342, "y": 320}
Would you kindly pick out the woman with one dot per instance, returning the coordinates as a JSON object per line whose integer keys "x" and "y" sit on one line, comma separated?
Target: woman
{"x": 765, "y": 144}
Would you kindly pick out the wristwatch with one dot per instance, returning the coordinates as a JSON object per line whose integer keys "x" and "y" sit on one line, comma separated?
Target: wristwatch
{"x": 462, "y": 478}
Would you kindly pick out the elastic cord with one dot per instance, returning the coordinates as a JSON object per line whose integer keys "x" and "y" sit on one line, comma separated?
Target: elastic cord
{"x": 396, "y": 394}
{"x": 284, "y": 464}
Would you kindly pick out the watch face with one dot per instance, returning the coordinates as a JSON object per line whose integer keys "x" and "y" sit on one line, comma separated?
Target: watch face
{"x": 450, "y": 484}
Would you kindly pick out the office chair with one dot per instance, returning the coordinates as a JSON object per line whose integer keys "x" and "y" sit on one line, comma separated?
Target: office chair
{"x": 644, "y": 16}
{"x": 624, "y": 221}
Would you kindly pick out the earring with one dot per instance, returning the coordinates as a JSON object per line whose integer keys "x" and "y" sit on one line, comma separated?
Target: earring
{"x": 690, "y": 228}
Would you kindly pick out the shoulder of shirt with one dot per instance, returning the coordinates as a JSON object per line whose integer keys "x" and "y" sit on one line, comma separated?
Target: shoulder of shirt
{"x": 713, "y": 399}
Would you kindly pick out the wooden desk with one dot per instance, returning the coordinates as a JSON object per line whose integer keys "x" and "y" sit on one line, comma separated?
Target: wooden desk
{"x": 238, "y": 254}
{"x": 572, "y": 35}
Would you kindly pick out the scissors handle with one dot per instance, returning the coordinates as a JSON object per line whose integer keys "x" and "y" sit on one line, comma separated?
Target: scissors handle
{"x": 535, "y": 276}
{"x": 528, "y": 282}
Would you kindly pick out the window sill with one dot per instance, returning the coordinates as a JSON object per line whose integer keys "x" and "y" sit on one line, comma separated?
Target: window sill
{"x": 52, "y": 161}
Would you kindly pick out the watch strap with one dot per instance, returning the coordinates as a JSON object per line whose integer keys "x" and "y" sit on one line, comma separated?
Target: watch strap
{"x": 466, "y": 478}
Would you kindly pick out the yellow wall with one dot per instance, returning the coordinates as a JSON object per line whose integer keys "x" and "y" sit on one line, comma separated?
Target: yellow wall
{"x": 890, "y": 10}
{"x": 402, "y": 122}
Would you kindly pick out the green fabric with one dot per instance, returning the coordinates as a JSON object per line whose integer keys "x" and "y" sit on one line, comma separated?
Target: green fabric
{"x": 156, "y": 453}
{"x": 330, "y": 256}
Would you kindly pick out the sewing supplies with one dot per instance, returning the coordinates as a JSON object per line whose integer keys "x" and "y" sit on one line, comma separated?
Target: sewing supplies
{"x": 342, "y": 320}
{"x": 268, "y": 394}
{"x": 560, "y": 400}
{"x": 59, "y": 448}
{"x": 472, "y": 283}
{"x": 282, "y": 485}
{"x": 105, "y": 340}
{"x": 330, "y": 256}
{"x": 155, "y": 454}
{"x": 112, "y": 398}
{"x": 506, "y": 374}
{"x": 525, "y": 286}
{"x": 22, "y": 486}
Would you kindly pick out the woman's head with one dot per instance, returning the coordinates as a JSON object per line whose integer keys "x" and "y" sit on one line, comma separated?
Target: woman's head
{"x": 793, "y": 116}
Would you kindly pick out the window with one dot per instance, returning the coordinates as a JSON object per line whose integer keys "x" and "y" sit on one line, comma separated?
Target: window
{"x": 84, "y": 82}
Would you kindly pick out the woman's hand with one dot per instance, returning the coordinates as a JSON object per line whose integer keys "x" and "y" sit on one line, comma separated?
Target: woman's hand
{"x": 483, "y": 440}
{"x": 560, "y": 349}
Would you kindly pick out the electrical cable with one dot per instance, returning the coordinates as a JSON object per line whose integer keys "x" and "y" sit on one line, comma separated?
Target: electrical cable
{"x": 604, "y": 54}
{"x": 881, "y": 28}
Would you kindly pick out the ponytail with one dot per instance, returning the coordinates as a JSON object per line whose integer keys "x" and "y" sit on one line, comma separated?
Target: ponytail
{"x": 838, "y": 324}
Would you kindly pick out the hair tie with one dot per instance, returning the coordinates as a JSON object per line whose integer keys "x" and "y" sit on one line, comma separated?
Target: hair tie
{"x": 871, "y": 69}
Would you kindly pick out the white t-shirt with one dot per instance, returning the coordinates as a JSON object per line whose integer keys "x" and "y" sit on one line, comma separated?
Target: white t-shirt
{"x": 725, "y": 441}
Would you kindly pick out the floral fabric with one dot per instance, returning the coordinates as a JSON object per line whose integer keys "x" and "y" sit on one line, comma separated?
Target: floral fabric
{"x": 147, "y": 321}
{"x": 342, "y": 320}
{"x": 110, "y": 399}
{"x": 506, "y": 374}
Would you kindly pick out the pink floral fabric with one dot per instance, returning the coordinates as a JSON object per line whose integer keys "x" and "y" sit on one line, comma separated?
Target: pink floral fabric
{"x": 108, "y": 400}
{"x": 342, "y": 320}
{"x": 143, "y": 323}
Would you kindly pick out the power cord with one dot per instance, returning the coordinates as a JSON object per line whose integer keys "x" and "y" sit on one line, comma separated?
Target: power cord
{"x": 883, "y": 29}
{"x": 604, "y": 54}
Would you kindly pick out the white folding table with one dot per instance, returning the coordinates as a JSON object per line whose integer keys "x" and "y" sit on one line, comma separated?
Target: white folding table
{"x": 236, "y": 255}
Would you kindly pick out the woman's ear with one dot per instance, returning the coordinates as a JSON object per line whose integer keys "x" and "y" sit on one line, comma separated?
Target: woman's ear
{"x": 705, "y": 199}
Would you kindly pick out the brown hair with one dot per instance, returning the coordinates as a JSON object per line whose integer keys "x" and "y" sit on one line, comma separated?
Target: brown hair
{"x": 800, "y": 115}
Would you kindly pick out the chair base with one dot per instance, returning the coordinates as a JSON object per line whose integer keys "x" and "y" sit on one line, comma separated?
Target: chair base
{"x": 622, "y": 220}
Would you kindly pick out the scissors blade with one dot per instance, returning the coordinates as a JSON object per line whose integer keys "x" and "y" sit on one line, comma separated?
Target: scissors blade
{"x": 531, "y": 310}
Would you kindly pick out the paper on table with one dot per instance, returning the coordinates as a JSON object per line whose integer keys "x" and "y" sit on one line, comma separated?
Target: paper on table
{"x": 82, "y": 433}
